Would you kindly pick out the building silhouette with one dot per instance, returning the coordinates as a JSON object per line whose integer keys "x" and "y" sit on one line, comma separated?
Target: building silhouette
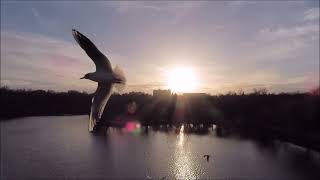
{"x": 162, "y": 93}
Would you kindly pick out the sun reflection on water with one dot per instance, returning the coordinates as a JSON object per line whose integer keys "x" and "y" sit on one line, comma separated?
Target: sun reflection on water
{"x": 184, "y": 164}
{"x": 181, "y": 136}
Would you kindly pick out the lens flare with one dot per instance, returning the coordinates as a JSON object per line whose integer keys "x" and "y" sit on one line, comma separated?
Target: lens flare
{"x": 132, "y": 127}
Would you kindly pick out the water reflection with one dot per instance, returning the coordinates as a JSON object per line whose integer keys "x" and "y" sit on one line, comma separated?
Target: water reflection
{"x": 181, "y": 136}
{"x": 184, "y": 164}
{"x": 62, "y": 147}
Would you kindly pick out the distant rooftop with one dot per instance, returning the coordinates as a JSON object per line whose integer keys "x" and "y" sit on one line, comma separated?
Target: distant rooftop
{"x": 162, "y": 93}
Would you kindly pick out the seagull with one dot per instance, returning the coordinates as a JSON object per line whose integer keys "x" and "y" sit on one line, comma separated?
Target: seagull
{"x": 207, "y": 157}
{"x": 104, "y": 76}
{"x": 164, "y": 177}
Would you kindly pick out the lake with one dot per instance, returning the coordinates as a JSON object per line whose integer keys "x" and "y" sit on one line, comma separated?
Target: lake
{"x": 62, "y": 147}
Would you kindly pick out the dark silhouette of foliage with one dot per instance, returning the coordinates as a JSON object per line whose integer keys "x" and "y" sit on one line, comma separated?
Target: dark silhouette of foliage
{"x": 293, "y": 117}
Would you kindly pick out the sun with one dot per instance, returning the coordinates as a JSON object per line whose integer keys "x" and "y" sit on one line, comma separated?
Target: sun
{"x": 182, "y": 80}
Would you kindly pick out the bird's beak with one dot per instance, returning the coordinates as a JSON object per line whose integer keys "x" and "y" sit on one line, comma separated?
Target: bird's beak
{"x": 82, "y": 77}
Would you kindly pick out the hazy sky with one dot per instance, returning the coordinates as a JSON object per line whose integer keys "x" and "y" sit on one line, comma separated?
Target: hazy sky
{"x": 230, "y": 45}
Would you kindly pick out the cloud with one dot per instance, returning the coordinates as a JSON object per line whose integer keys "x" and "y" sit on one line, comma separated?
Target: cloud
{"x": 274, "y": 83}
{"x": 147, "y": 87}
{"x": 127, "y": 6}
{"x": 284, "y": 42}
{"x": 36, "y": 61}
{"x": 237, "y": 43}
{"x": 269, "y": 34}
{"x": 241, "y": 3}
{"x": 176, "y": 10}
{"x": 271, "y": 87}
{"x": 311, "y": 14}
{"x": 35, "y": 13}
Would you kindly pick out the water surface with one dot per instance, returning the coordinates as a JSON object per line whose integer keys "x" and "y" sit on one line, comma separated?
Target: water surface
{"x": 62, "y": 147}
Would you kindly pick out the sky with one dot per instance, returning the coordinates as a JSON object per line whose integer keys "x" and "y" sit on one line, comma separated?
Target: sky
{"x": 230, "y": 45}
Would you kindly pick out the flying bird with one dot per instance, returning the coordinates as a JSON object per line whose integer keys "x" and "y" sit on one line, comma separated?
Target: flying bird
{"x": 104, "y": 76}
{"x": 207, "y": 157}
{"x": 164, "y": 177}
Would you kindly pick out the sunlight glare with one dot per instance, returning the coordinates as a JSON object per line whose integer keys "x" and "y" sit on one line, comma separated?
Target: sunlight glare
{"x": 181, "y": 80}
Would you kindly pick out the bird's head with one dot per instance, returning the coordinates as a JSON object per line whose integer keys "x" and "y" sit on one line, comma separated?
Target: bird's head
{"x": 86, "y": 76}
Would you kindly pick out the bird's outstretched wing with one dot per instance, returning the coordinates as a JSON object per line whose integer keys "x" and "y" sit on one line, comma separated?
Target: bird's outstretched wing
{"x": 100, "y": 60}
{"x": 99, "y": 101}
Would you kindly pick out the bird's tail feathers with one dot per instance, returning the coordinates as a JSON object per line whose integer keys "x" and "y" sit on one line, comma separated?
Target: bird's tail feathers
{"x": 120, "y": 75}
{"x": 92, "y": 119}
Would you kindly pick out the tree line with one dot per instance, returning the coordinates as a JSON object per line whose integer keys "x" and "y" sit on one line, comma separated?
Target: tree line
{"x": 259, "y": 112}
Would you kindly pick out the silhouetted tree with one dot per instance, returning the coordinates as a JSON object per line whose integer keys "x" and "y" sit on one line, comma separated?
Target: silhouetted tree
{"x": 293, "y": 116}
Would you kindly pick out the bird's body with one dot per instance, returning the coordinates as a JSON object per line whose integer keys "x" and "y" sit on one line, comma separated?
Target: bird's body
{"x": 104, "y": 75}
{"x": 207, "y": 157}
